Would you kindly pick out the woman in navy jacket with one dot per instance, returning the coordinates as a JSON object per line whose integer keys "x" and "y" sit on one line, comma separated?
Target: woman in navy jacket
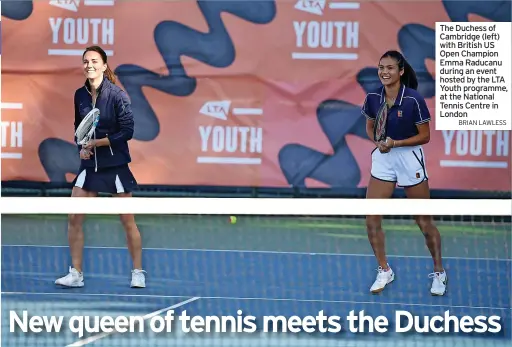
{"x": 104, "y": 160}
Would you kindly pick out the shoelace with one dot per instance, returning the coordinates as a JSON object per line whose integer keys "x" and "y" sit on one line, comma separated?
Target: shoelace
{"x": 381, "y": 269}
{"x": 381, "y": 272}
{"x": 139, "y": 272}
{"x": 436, "y": 276}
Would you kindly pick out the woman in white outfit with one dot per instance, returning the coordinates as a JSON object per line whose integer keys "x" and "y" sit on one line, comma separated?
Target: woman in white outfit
{"x": 399, "y": 159}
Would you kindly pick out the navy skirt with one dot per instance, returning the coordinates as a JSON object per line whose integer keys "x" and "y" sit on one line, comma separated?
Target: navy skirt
{"x": 111, "y": 180}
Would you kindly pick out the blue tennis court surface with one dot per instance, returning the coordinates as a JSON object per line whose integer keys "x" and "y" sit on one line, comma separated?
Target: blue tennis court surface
{"x": 258, "y": 282}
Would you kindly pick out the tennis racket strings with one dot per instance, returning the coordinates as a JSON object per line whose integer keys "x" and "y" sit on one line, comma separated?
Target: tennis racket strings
{"x": 379, "y": 130}
{"x": 87, "y": 127}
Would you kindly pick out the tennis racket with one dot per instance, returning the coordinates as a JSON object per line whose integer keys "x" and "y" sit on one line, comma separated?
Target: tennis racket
{"x": 379, "y": 129}
{"x": 85, "y": 130}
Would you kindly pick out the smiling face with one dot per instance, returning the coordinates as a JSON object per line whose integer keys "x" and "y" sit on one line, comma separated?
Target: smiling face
{"x": 389, "y": 72}
{"x": 93, "y": 65}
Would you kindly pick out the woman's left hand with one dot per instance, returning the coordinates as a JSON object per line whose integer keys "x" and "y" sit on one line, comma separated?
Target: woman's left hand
{"x": 390, "y": 143}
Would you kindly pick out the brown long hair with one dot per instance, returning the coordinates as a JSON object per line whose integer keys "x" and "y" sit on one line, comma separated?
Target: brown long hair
{"x": 108, "y": 72}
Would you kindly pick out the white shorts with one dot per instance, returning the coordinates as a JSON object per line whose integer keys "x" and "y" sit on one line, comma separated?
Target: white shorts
{"x": 403, "y": 165}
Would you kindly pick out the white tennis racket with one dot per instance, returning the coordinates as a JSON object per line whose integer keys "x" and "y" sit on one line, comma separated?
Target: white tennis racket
{"x": 85, "y": 130}
{"x": 379, "y": 129}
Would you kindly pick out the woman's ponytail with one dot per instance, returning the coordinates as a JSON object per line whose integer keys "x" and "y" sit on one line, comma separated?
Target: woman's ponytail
{"x": 409, "y": 78}
{"x": 109, "y": 74}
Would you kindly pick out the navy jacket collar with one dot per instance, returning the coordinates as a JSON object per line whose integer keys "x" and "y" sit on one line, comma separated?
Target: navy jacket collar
{"x": 104, "y": 84}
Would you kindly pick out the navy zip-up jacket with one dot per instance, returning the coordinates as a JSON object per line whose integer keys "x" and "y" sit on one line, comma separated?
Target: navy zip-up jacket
{"x": 116, "y": 123}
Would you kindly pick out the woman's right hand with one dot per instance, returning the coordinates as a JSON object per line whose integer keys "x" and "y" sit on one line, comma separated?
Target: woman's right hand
{"x": 85, "y": 154}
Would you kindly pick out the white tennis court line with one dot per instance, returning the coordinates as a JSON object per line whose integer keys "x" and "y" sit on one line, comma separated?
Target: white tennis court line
{"x": 256, "y": 299}
{"x": 263, "y": 252}
{"x": 149, "y": 315}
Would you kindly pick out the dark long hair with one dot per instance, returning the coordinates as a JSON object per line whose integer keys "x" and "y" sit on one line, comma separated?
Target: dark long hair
{"x": 408, "y": 78}
{"x": 109, "y": 74}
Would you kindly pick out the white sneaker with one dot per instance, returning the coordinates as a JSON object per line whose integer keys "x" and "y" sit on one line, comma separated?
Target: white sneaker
{"x": 383, "y": 278}
{"x": 138, "y": 279}
{"x": 439, "y": 283}
{"x": 72, "y": 279}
